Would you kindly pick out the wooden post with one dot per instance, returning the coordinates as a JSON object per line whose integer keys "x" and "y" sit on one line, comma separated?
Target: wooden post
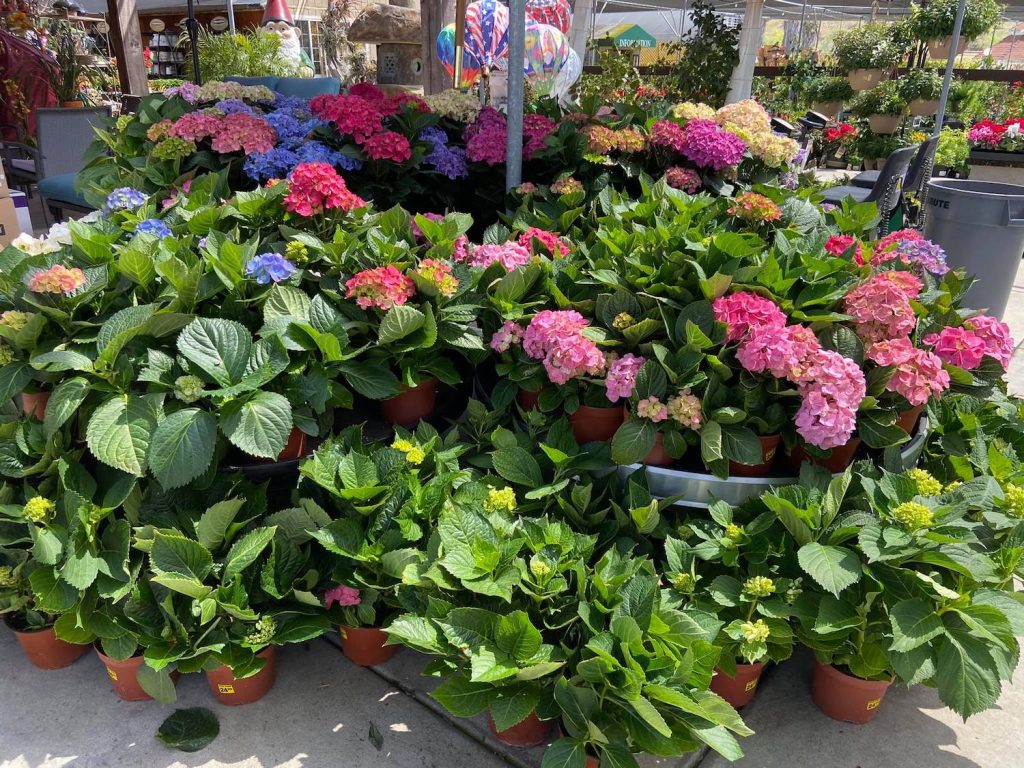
{"x": 126, "y": 40}
{"x": 434, "y": 15}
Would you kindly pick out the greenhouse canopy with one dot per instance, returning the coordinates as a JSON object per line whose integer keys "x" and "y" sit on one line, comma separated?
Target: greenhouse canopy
{"x": 627, "y": 36}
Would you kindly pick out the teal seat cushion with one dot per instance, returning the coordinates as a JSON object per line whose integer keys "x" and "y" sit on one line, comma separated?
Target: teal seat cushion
{"x": 308, "y": 87}
{"x": 270, "y": 82}
{"x": 61, "y": 188}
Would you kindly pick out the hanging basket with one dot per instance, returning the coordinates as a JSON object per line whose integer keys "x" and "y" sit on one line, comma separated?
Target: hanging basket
{"x": 884, "y": 123}
{"x": 924, "y": 107}
{"x": 828, "y": 108}
{"x": 865, "y": 79}
{"x": 939, "y": 49}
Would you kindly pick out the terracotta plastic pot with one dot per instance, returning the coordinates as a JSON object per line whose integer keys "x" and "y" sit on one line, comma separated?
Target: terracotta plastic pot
{"x": 72, "y": 104}
{"x": 230, "y": 690}
{"x": 412, "y": 405}
{"x": 924, "y": 107}
{"x": 34, "y": 403}
{"x": 840, "y": 458}
{"x": 295, "y": 448}
{"x": 885, "y": 123}
{"x": 529, "y": 733}
{"x": 828, "y": 108}
{"x": 528, "y": 398}
{"x": 46, "y": 651}
{"x": 738, "y": 690}
{"x": 907, "y": 420}
{"x": 865, "y": 79}
{"x": 769, "y": 447}
{"x": 590, "y": 424}
{"x": 658, "y": 457}
{"x": 365, "y": 645}
{"x": 844, "y": 697}
{"x": 593, "y": 762}
{"x": 124, "y": 676}
{"x": 939, "y": 49}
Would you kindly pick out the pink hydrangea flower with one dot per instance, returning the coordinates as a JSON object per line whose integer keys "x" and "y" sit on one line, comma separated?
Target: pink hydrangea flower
{"x": 57, "y": 279}
{"x": 666, "y": 134}
{"x": 685, "y": 179}
{"x": 388, "y": 145}
{"x": 685, "y": 408}
{"x": 344, "y": 596}
{"x": 195, "y": 126}
{"x": 652, "y": 409}
{"x": 554, "y": 244}
{"x": 509, "y": 335}
{"x": 240, "y": 132}
{"x": 486, "y": 137}
{"x": 380, "y": 287}
{"x": 838, "y": 245}
{"x": 439, "y": 274}
{"x": 880, "y": 308}
{"x": 744, "y": 310}
{"x": 961, "y": 347}
{"x": 509, "y": 255}
{"x": 754, "y": 208}
{"x": 905, "y": 281}
{"x": 996, "y": 335}
{"x": 621, "y": 379}
{"x": 556, "y": 337}
{"x": 918, "y": 373}
{"x": 536, "y": 129}
{"x": 831, "y": 393}
{"x": 316, "y": 187}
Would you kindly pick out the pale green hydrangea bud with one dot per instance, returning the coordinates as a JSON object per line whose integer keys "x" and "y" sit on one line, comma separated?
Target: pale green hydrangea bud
{"x": 755, "y": 631}
{"x": 188, "y": 389}
{"x": 262, "y": 632}
{"x": 622, "y": 321}
{"x": 926, "y": 484}
{"x": 759, "y": 586}
{"x": 912, "y": 515}
{"x": 7, "y": 577}
{"x": 539, "y": 568}
{"x": 733, "y": 532}
{"x": 38, "y": 509}
{"x": 684, "y": 582}
{"x": 1014, "y": 500}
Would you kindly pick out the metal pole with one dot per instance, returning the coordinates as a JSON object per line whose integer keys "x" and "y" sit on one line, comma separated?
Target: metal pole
{"x": 231, "y": 16}
{"x": 800, "y": 33}
{"x": 954, "y": 43}
{"x": 516, "y": 55}
{"x": 193, "y": 38}
{"x": 460, "y": 42}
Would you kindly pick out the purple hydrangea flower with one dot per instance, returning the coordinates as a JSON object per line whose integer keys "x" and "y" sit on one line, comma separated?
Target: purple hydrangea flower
{"x": 123, "y": 199}
{"x": 234, "y": 106}
{"x": 155, "y": 227}
{"x": 922, "y": 254}
{"x": 450, "y": 161}
{"x": 188, "y": 91}
{"x": 317, "y": 152}
{"x": 269, "y": 268}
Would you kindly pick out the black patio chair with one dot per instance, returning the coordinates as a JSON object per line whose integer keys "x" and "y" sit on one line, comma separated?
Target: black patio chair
{"x": 887, "y": 191}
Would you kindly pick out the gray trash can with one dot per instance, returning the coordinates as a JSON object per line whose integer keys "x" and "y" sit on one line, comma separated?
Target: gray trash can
{"x": 980, "y": 225}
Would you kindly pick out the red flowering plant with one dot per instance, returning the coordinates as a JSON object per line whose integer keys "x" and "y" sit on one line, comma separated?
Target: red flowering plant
{"x": 1001, "y": 137}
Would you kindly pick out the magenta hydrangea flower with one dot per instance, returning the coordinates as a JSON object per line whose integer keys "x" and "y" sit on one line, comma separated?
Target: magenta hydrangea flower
{"x": 708, "y": 146}
{"x": 486, "y": 137}
{"x": 388, "y": 145}
{"x": 344, "y": 596}
{"x": 668, "y": 135}
{"x": 838, "y": 245}
{"x": 536, "y": 129}
{"x": 744, "y": 310}
{"x": 240, "y": 132}
{"x": 621, "y": 379}
{"x": 961, "y": 347}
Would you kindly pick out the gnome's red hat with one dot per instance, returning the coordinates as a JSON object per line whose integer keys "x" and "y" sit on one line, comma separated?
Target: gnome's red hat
{"x": 277, "y": 10}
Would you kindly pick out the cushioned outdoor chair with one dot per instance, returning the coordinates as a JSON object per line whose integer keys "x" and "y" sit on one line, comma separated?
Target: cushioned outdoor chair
{"x": 63, "y": 136}
{"x": 887, "y": 190}
{"x": 304, "y": 87}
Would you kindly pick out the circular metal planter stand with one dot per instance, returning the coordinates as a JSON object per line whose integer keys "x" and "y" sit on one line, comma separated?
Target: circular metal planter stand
{"x": 698, "y": 489}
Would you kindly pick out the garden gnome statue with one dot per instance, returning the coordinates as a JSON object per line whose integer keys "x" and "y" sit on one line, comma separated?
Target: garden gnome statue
{"x": 277, "y": 20}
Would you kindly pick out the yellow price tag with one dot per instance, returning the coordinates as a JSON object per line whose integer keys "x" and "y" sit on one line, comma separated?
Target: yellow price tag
{"x": 112, "y": 673}
{"x": 226, "y": 688}
{"x": 751, "y": 685}
{"x": 873, "y": 704}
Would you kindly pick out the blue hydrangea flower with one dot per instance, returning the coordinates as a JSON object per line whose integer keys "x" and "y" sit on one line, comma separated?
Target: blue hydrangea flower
{"x": 123, "y": 199}
{"x": 234, "y": 106}
{"x": 269, "y": 267}
{"x": 291, "y": 131}
{"x": 450, "y": 161}
{"x": 275, "y": 164}
{"x": 291, "y": 103}
{"x": 434, "y": 136}
{"x": 154, "y": 227}
{"x": 317, "y": 152}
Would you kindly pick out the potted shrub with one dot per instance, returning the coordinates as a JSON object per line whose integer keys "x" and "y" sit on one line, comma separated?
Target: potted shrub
{"x": 371, "y": 551}
{"x": 32, "y": 594}
{"x": 883, "y": 106}
{"x": 232, "y": 601}
{"x": 68, "y": 73}
{"x": 933, "y": 22}
{"x": 921, "y": 89}
{"x": 867, "y": 52}
{"x": 952, "y": 152}
{"x": 827, "y": 94}
{"x": 754, "y": 608}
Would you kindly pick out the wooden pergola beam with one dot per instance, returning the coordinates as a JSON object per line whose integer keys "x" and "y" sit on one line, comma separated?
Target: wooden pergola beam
{"x": 126, "y": 40}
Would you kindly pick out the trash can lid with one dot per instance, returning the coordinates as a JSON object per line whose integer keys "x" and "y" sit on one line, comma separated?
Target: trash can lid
{"x": 974, "y": 188}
